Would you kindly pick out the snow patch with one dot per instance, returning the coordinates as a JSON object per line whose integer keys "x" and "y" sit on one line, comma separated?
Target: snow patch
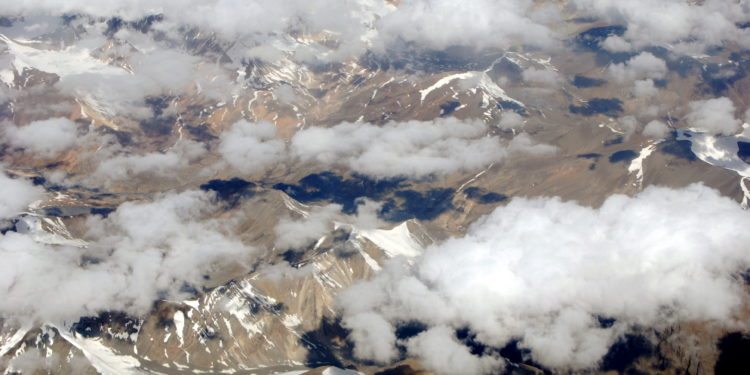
{"x": 395, "y": 242}
{"x": 13, "y": 340}
{"x": 636, "y": 165}
{"x": 179, "y": 325}
{"x": 104, "y": 359}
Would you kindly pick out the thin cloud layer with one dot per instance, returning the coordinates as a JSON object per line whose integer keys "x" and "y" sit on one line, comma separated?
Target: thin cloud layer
{"x": 542, "y": 271}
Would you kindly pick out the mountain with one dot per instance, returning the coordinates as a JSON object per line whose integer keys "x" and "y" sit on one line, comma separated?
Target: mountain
{"x": 374, "y": 187}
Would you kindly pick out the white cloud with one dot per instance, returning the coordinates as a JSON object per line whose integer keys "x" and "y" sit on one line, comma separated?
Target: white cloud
{"x": 687, "y": 26}
{"x": 645, "y": 65}
{"x": 292, "y": 233}
{"x": 655, "y": 129}
{"x": 541, "y": 76}
{"x": 15, "y": 195}
{"x": 542, "y": 271}
{"x": 251, "y": 147}
{"x": 645, "y": 88}
{"x": 510, "y": 120}
{"x": 441, "y": 353}
{"x": 121, "y": 167}
{"x": 376, "y": 335}
{"x": 715, "y": 116}
{"x": 46, "y": 138}
{"x": 321, "y": 220}
{"x": 411, "y": 148}
{"x": 616, "y": 44}
{"x": 142, "y": 252}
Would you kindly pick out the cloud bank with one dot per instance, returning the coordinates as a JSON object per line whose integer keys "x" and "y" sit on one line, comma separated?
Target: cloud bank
{"x": 411, "y": 148}
{"x": 542, "y": 271}
{"x": 142, "y": 252}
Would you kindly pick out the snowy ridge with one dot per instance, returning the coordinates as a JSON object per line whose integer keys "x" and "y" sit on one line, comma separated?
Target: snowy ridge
{"x": 394, "y": 242}
{"x": 636, "y": 165}
{"x": 67, "y": 62}
{"x": 103, "y": 358}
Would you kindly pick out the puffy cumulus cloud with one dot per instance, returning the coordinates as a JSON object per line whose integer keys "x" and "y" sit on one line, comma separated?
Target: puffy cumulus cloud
{"x": 292, "y": 233}
{"x": 687, "y": 25}
{"x": 319, "y": 221}
{"x": 524, "y": 144}
{"x": 439, "y": 350}
{"x": 616, "y": 44}
{"x": 251, "y": 147}
{"x": 645, "y": 88}
{"x": 46, "y": 138}
{"x": 656, "y": 129}
{"x": 397, "y": 149}
{"x": 412, "y": 148}
{"x": 122, "y": 166}
{"x": 714, "y": 116}
{"x": 542, "y": 271}
{"x": 16, "y": 194}
{"x": 510, "y": 120}
{"x": 142, "y": 252}
{"x": 376, "y": 335}
{"x": 439, "y": 24}
{"x": 644, "y": 65}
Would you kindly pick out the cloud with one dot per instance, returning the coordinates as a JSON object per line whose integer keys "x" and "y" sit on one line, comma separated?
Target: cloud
{"x": 542, "y": 271}
{"x": 510, "y": 120}
{"x": 155, "y": 72}
{"x": 715, "y": 116}
{"x": 441, "y": 353}
{"x": 354, "y": 27}
{"x": 46, "y": 138}
{"x": 321, "y": 220}
{"x": 541, "y": 76}
{"x": 121, "y": 166}
{"x": 376, "y": 335}
{"x": 142, "y": 252}
{"x": 686, "y": 26}
{"x": 412, "y": 148}
{"x": 616, "y": 44}
{"x": 251, "y": 147}
{"x": 253, "y": 22}
{"x": 292, "y": 233}
{"x": 645, "y": 88}
{"x": 655, "y": 129}
{"x": 15, "y": 195}
{"x": 438, "y": 24}
{"x": 645, "y": 65}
